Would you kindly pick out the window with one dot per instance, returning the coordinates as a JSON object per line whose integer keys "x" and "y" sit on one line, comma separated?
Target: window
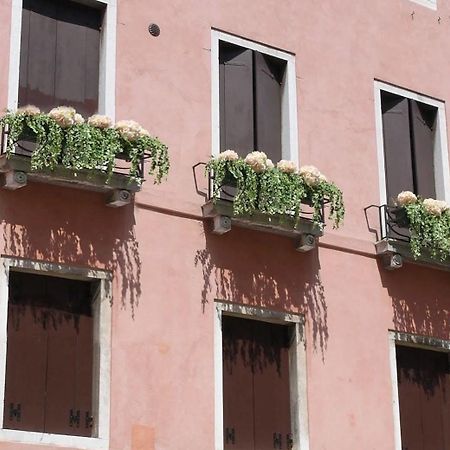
{"x": 59, "y": 55}
{"x": 423, "y": 378}
{"x": 254, "y": 98}
{"x": 55, "y": 371}
{"x": 412, "y": 144}
{"x": 261, "y": 399}
{"x": 432, "y": 4}
{"x": 63, "y": 53}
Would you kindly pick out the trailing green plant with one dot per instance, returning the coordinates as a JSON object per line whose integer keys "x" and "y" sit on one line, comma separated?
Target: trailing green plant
{"x": 63, "y": 139}
{"x": 273, "y": 190}
{"x": 429, "y": 225}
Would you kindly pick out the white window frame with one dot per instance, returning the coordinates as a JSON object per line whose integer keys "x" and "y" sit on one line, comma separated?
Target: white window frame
{"x": 107, "y": 67}
{"x": 432, "y": 4}
{"x": 411, "y": 340}
{"x": 289, "y": 126}
{"x": 102, "y": 352}
{"x": 297, "y": 367}
{"x": 441, "y": 163}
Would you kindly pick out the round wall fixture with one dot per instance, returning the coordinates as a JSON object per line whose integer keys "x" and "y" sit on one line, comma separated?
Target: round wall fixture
{"x": 154, "y": 29}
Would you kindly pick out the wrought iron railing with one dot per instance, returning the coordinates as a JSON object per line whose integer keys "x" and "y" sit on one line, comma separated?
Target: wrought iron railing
{"x": 393, "y": 223}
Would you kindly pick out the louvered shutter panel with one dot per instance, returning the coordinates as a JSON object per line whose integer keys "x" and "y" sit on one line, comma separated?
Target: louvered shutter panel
{"x": 269, "y": 74}
{"x": 238, "y": 399}
{"x": 271, "y": 387}
{"x": 397, "y": 145}
{"x": 236, "y": 98}
{"x": 37, "y": 55}
{"x": 423, "y": 123}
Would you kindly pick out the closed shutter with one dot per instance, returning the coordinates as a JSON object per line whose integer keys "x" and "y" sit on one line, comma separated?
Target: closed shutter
{"x": 26, "y": 363}
{"x": 238, "y": 356}
{"x": 423, "y": 388}
{"x": 236, "y": 99}
{"x": 60, "y": 55}
{"x": 397, "y": 145}
{"x": 269, "y": 73}
{"x": 271, "y": 387}
{"x": 256, "y": 394}
{"x": 49, "y": 360}
{"x": 423, "y": 124}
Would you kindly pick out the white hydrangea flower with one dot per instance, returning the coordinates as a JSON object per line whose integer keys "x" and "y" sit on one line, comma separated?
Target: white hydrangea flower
{"x": 228, "y": 155}
{"x": 100, "y": 121}
{"x": 287, "y": 166}
{"x": 65, "y": 116}
{"x": 435, "y": 207}
{"x": 406, "y": 198}
{"x": 257, "y": 161}
{"x": 78, "y": 119}
{"x": 269, "y": 164}
{"x": 28, "y": 110}
{"x": 311, "y": 175}
{"x": 129, "y": 129}
{"x": 144, "y": 132}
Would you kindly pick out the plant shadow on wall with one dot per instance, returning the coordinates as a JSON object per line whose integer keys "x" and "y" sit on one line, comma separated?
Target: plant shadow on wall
{"x": 263, "y": 270}
{"x": 73, "y": 227}
{"x": 420, "y": 299}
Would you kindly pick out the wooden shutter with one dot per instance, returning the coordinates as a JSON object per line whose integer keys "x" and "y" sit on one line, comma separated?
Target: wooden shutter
{"x": 423, "y": 125}
{"x": 269, "y": 73}
{"x": 423, "y": 387}
{"x": 236, "y": 98}
{"x": 37, "y": 54}
{"x": 271, "y": 387}
{"x": 238, "y": 383}
{"x": 59, "y": 62}
{"x": 255, "y": 385}
{"x": 49, "y": 360}
{"x": 26, "y": 359}
{"x": 397, "y": 145}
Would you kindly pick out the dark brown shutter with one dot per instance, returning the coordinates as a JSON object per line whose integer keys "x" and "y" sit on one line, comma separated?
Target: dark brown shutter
{"x": 255, "y": 384}
{"x": 238, "y": 397}
{"x": 269, "y": 74}
{"x": 397, "y": 145}
{"x": 236, "y": 98}
{"x": 26, "y": 362}
{"x": 60, "y": 55}
{"x": 49, "y": 360}
{"x": 423, "y": 384}
{"x": 423, "y": 125}
{"x": 37, "y": 55}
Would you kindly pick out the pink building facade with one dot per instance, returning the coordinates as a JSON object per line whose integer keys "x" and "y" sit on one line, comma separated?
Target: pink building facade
{"x": 167, "y": 282}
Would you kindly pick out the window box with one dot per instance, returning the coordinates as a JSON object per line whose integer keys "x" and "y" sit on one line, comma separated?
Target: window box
{"x": 252, "y": 193}
{"x": 399, "y": 240}
{"x": 60, "y": 148}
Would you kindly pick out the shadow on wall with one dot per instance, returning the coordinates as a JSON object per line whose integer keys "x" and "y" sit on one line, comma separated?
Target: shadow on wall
{"x": 263, "y": 270}
{"x": 74, "y": 227}
{"x": 420, "y": 299}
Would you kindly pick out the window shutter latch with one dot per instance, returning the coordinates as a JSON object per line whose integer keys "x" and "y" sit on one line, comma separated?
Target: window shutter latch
{"x": 74, "y": 418}
{"x": 15, "y": 412}
{"x": 230, "y": 437}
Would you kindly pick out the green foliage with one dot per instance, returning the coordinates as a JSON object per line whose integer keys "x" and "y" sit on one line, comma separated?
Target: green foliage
{"x": 428, "y": 231}
{"x": 274, "y": 192}
{"x": 84, "y": 147}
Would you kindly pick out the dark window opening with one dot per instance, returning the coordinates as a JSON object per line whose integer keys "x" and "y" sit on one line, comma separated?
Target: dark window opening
{"x": 409, "y": 129}
{"x": 60, "y": 55}
{"x": 424, "y": 398}
{"x": 251, "y": 85}
{"x": 256, "y": 396}
{"x": 49, "y": 362}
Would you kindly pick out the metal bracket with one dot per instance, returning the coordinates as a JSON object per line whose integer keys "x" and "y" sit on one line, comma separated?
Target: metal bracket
{"x": 15, "y": 412}
{"x": 277, "y": 440}
{"x": 74, "y": 418}
{"x": 230, "y": 436}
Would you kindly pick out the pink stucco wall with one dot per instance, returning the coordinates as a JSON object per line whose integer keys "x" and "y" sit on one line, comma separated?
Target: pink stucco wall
{"x": 168, "y": 268}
